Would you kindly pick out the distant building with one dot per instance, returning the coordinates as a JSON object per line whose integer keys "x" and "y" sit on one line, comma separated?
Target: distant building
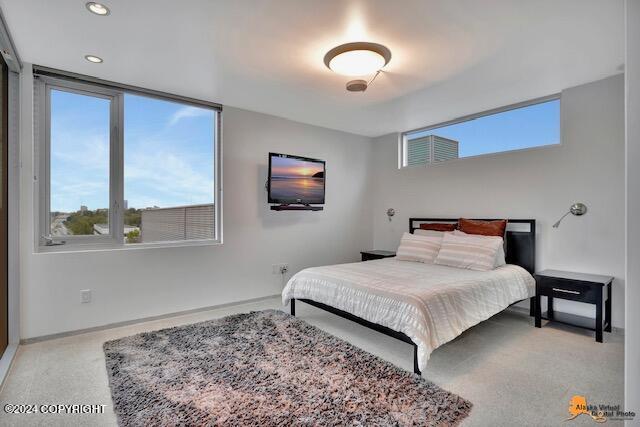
{"x": 193, "y": 222}
{"x": 83, "y": 208}
{"x": 126, "y": 204}
{"x": 430, "y": 149}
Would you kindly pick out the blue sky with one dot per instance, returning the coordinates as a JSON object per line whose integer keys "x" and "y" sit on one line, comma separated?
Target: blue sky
{"x": 168, "y": 155}
{"x": 169, "y": 151}
{"x": 532, "y": 126}
{"x": 289, "y": 166}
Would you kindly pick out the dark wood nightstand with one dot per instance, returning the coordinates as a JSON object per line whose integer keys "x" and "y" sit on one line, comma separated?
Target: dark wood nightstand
{"x": 589, "y": 288}
{"x": 376, "y": 254}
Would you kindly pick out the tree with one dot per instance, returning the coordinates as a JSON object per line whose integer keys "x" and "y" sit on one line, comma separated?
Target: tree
{"x": 132, "y": 216}
{"x": 81, "y": 223}
{"x": 133, "y": 236}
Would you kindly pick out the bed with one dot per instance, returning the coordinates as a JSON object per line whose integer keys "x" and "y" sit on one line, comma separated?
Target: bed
{"x": 426, "y": 305}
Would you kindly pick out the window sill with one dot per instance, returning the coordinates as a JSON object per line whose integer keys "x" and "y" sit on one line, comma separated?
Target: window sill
{"x": 96, "y": 247}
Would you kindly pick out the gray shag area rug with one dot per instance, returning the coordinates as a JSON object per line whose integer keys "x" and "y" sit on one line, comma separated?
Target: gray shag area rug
{"x": 265, "y": 368}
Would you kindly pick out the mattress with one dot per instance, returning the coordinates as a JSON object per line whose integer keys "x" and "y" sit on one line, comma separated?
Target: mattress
{"x": 431, "y": 304}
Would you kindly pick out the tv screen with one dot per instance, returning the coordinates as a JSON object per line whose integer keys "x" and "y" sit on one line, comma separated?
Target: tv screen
{"x": 295, "y": 180}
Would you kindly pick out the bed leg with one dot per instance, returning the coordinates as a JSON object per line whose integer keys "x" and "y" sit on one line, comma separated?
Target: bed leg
{"x": 292, "y": 306}
{"x": 416, "y": 370}
{"x": 532, "y": 306}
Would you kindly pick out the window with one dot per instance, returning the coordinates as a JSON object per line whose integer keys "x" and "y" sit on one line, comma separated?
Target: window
{"x": 80, "y": 135}
{"x": 121, "y": 167}
{"x": 531, "y": 124}
{"x": 168, "y": 170}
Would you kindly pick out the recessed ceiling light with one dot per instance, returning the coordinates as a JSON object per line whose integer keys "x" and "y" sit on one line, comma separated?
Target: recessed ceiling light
{"x": 357, "y": 59}
{"x": 98, "y": 8}
{"x": 93, "y": 58}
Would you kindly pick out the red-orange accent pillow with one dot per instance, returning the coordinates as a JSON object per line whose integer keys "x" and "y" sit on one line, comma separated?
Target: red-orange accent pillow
{"x": 438, "y": 226}
{"x": 484, "y": 228}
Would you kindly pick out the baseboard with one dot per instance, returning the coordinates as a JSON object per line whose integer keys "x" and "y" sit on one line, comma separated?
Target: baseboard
{"x": 28, "y": 341}
{"x": 167, "y": 316}
{"x": 518, "y": 309}
{"x": 6, "y": 362}
{"x": 614, "y": 329}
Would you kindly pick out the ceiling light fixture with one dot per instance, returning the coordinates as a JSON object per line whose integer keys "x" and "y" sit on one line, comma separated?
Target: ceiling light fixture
{"x": 357, "y": 85}
{"x": 357, "y": 59}
{"x": 98, "y": 8}
{"x": 93, "y": 58}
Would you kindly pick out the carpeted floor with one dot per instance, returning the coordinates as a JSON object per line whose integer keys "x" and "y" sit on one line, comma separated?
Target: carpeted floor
{"x": 513, "y": 373}
{"x": 265, "y": 368}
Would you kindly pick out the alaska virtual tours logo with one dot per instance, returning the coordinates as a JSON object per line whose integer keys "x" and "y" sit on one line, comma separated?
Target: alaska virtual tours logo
{"x": 600, "y": 413}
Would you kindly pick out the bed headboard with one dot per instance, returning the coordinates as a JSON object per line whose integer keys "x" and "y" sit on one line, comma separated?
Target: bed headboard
{"x": 521, "y": 239}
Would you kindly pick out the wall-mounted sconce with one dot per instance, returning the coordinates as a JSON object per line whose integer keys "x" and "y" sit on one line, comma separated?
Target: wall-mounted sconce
{"x": 390, "y": 212}
{"x": 577, "y": 209}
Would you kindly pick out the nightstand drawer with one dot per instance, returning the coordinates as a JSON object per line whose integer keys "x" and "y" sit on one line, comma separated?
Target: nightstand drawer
{"x": 567, "y": 289}
{"x": 376, "y": 254}
{"x": 369, "y": 257}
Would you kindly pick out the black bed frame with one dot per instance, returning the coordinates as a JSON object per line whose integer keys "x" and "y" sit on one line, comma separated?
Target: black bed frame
{"x": 521, "y": 250}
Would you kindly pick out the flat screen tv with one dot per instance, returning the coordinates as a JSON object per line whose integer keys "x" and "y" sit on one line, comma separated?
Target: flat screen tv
{"x": 295, "y": 180}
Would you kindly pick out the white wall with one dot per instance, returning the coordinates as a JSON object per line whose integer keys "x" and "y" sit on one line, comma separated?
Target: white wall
{"x": 541, "y": 183}
{"x": 137, "y": 283}
{"x": 361, "y": 176}
{"x": 632, "y": 344}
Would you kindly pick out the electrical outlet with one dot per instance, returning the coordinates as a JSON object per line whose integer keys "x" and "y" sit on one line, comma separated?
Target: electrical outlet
{"x": 85, "y": 296}
{"x": 279, "y": 268}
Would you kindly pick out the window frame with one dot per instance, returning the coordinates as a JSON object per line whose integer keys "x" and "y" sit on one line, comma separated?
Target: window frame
{"x": 43, "y": 85}
{"x": 402, "y": 138}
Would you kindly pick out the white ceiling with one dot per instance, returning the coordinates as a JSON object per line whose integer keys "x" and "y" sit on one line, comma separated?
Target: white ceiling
{"x": 450, "y": 57}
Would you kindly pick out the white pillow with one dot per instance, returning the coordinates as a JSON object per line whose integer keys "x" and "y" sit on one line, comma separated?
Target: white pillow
{"x": 500, "y": 256}
{"x": 418, "y": 248}
{"x": 469, "y": 251}
{"x": 435, "y": 233}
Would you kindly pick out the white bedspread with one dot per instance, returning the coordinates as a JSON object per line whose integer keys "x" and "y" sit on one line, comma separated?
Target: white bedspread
{"x": 431, "y": 304}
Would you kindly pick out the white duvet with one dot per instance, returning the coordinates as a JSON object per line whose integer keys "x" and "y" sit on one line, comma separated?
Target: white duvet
{"x": 431, "y": 304}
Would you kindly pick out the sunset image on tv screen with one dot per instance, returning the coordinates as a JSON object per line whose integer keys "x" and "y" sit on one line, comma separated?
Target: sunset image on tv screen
{"x": 296, "y": 181}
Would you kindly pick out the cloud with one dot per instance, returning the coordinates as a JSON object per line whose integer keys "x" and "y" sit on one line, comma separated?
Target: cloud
{"x": 68, "y": 196}
{"x": 168, "y": 167}
{"x": 188, "y": 112}
{"x": 164, "y": 166}
{"x": 87, "y": 151}
{"x": 79, "y": 168}
{"x": 167, "y": 177}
